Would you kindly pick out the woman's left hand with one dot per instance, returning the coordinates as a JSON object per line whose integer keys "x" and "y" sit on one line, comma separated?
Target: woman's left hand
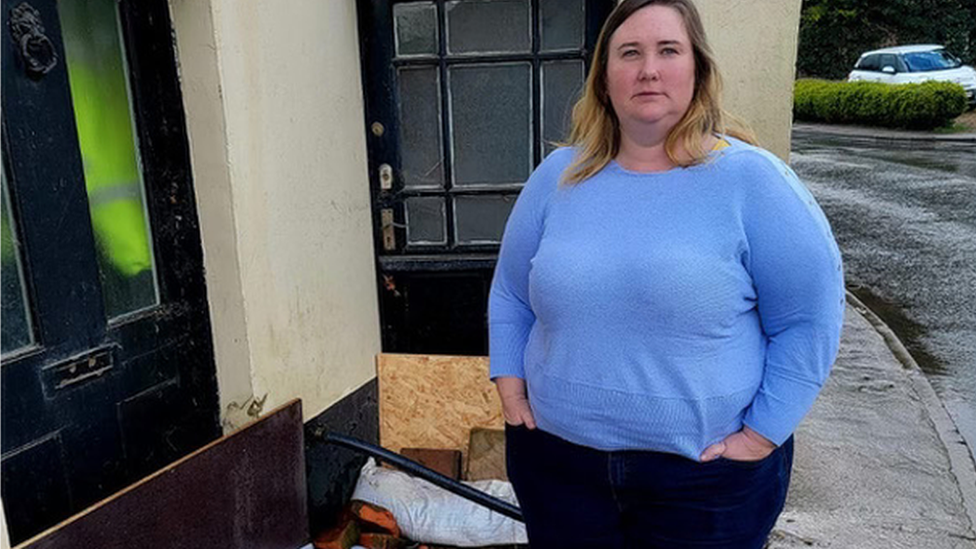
{"x": 744, "y": 445}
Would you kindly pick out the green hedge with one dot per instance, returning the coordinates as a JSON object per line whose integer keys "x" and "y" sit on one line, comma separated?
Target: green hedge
{"x": 915, "y": 106}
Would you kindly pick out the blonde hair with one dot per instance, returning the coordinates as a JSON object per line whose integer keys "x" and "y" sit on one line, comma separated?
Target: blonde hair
{"x": 596, "y": 129}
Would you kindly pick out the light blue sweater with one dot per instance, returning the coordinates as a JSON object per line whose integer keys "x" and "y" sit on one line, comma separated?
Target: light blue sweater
{"x": 662, "y": 311}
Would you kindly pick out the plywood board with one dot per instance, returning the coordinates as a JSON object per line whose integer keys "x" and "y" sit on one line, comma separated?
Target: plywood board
{"x": 244, "y": 490}
{"x": 433, "y": 401}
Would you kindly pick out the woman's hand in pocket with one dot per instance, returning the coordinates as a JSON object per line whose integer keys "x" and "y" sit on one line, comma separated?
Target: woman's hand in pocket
{"x": 744, "y": 445}
{"x": 515, "y": 402}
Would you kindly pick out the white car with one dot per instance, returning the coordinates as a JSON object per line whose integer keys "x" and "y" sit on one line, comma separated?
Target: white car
{"x": 906, "y": 64}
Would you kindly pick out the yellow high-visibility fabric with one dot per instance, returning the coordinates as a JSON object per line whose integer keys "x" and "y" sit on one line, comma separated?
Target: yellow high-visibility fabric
{"x": 102, "y": 116}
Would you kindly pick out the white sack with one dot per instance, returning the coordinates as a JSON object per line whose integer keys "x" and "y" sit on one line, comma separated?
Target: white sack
{"x": 429, "y": 514}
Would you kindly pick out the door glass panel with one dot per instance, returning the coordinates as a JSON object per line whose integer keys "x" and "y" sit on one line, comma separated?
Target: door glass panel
{"x": 488, "y": 26}
{"x": 426, "y": 220}
{"x": 15, "y": 326}
{"x": 491, "y": 120}
{"x": 562, "y": 82}
{"x": 103, "y": 116}
{"x": 415, "y": 28}
{"x": 481, "y": 219}
{"x": 562, "y": 24}
{"x": 421, "y": 152}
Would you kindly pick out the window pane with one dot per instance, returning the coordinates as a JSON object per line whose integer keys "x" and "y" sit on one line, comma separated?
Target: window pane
{"x": 100, "y": 95}
{"x": 491, "y": 119}
{"x": 421, "y": 151}
{"x": 15, "y": 326}
{"x": 425, "y": 221}
{"x": 415, "y": 28}
{"x": 488, "y": 26}
{"x": 562, "y": 82}
{"x": 562, "y": 24}
{"x": 481, "y": 219}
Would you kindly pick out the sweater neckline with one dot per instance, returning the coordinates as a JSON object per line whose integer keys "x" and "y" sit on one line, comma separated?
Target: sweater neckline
{"x": 723, "y": 145}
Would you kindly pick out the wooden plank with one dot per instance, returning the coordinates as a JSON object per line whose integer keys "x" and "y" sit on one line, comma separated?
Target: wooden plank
{"x": 246, "y": 489}
{"x": 433, "y": 401}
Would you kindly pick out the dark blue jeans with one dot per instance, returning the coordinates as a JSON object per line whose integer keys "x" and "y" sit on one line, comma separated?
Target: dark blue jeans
{"x": 576, "y": 496}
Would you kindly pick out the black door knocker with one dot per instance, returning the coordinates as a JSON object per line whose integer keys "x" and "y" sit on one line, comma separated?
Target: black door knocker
{"x": 35, "y": 48}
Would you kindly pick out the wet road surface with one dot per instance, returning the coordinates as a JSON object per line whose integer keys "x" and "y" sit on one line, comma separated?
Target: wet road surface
{"x": 904, "y": 214}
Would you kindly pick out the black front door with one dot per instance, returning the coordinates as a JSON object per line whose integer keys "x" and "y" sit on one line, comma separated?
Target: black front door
{"x": 107, "y": 365}
{"x": 463, "y": 99}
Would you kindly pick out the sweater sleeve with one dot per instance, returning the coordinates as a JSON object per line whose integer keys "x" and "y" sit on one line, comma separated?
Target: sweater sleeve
{"x": 798, "y": 278}
{"x": 510, "y": 316}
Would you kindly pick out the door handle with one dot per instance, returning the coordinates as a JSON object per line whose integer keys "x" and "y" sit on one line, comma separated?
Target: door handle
{"x": 389, "y": 231}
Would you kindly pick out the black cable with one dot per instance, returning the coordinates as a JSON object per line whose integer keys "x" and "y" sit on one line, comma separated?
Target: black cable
{"x": 429, "y": 475}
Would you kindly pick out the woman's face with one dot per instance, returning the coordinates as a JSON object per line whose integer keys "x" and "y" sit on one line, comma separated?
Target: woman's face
{"x": 651, "y": 69}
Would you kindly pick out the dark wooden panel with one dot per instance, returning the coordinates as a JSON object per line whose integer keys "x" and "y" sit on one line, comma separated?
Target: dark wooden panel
{"x": 332, "y": 470}
{"x": 439, "y": 312}
{"x": 244, "y": 490}
{"x": 37, "y": 470}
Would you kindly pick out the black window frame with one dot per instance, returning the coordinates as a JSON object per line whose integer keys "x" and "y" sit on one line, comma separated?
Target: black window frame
{"x": 381, "y": 53}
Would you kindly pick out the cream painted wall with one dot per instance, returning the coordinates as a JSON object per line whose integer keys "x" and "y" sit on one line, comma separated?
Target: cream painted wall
{"x": 275, "y": 117}
{"x": 755, "y": 43}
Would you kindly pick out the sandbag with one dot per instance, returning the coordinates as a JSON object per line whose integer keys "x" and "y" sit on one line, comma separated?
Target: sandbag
{"x": 429, "y": 514}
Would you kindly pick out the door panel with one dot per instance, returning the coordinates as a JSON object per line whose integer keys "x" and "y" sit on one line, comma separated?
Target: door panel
{"x": 463, "y": 100}
{"x": 119, "y": 378}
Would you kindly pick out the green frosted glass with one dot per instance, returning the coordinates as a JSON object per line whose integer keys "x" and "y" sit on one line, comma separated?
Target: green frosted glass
{"x": 103, "y": 116}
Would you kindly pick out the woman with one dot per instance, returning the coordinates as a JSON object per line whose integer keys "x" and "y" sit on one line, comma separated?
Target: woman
{"x": 666, "y": 306}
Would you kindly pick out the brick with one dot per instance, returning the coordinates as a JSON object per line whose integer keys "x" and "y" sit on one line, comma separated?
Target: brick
{"x": 342, "y": 536}
{"x": 374, "y": 519}
{"x": 445, "y": 462}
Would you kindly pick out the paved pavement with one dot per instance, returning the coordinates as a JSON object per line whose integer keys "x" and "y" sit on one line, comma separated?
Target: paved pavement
{"x": 878, "y": 462}
{"x": 904, "y": 214}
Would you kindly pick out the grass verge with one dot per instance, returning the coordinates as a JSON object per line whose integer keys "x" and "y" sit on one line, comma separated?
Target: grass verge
{"x": 966, "y": 122}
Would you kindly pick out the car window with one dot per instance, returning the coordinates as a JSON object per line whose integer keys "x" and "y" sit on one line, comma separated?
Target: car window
{"x": 888, "y": 60}
{"x": 869, "y": 63}
{"x": 901, "y": 66}
{"x": 935, "y": 60}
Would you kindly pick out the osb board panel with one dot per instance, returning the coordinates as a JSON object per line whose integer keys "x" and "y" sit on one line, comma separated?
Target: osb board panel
{"x": 433, "y": 401}
{"x": 244, "y": 490}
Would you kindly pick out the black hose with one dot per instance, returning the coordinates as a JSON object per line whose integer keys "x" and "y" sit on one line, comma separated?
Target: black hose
{"x": 429, "y": 475}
